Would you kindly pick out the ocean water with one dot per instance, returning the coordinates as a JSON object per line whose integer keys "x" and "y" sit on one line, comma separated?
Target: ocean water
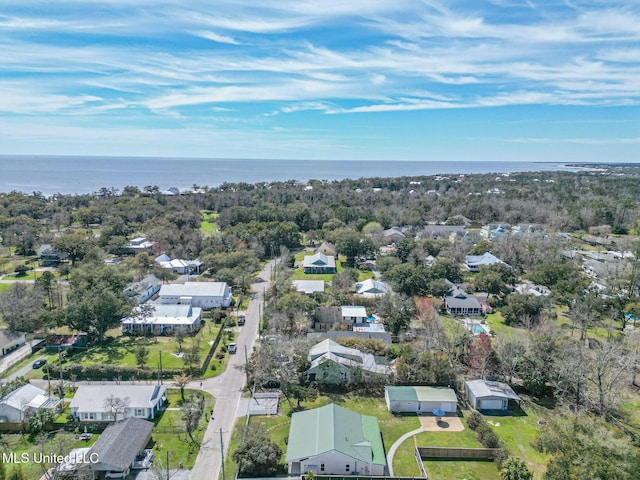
{"x": 68, "y": 175}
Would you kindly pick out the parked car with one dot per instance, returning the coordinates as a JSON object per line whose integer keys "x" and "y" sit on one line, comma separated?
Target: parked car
{"x": 233, "y": 348}
{"x": 39, "y": 363}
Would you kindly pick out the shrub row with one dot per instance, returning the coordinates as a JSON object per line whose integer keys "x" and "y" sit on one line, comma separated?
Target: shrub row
{"x": 78, "y": 371}
{"x": 487, "y": 437}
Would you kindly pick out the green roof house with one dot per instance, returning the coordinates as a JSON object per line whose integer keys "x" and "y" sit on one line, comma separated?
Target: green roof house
{"x": 420, "y": 399}
{"x": 332, "y": 440}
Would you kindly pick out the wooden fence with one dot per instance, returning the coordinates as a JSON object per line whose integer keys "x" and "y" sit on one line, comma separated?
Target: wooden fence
{"x": 457, "y": 453}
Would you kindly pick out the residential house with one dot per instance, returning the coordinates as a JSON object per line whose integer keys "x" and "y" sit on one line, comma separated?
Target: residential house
{"x": 139, "y": 245}
{"x": 10, "y": 341}
{"x": 59, "y": 342}
{"x": 420, "y": 400}
{"x": 332, "y": 440}
{"x": 143, "y": 290}
{"x": 326, "y": 248}
{"x": 309, "y": 286}
{"x": 49, "y": 256}
{"x": 358, "y": 332}
{"x": 393, "y": 235}
{"x": 22, "y": 402}
{"x": 107, "y": 403}
{"x": 331, "y": 363}
{"x": 495, "y": 230}
{"x": 459, "y": 302}
{"x": 527, "y": 229}
{"x": 474, "y": 262}
{"x": 179, "y": 266}
{"x": 372, "y": 288}
{"x": 205, "y": 295}
{"x": 451, "y": 232}
{"x": 528, "y": 288}
{"x": 319, "y": 263}
{"x": 486, "y": 395}
{"x": 115, "y": 452}
{"x": 327, "y": 318}
{"x": 163, "y": 319}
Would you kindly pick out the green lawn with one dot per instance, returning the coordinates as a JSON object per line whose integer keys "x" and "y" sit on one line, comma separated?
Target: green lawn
{"x": 169, "y": 433}
{"x": 5, "y": 286}
{"x": 31, "y": 275}
{"x": 208, "y": 225}
{"x": 497, "y": 325}
{"x": 392, "y": 426}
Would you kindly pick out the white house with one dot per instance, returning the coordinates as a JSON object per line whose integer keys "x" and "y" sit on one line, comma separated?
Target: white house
{"x": 332, "y": 440}
{"x": 319, "y": 263}
{"x": 198, "y": 294}
{"x": 486, "y": 395}
{"x": 103, "y": 403}
{"x": 19, "y": 404}
{"x": 353, "y": 314}
{"x": 178, "y": 265}
{"x": 309, "y": 286}
{"x": 164, "y": 319}
{"x": 143, "y": 290}
{"x": 372, "y": 288}
{"x": 419, "y": 400}
{"x": 331, "y": 363}
{"x": 10, "y": 340}
{"x": 474, "y": 262}
{"x": 140, "y": 244}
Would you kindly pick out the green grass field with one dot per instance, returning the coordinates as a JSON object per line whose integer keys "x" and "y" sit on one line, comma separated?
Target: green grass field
{"x": 208, "y": 225}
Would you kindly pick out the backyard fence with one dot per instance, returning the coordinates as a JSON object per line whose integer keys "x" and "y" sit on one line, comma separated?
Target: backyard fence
{"x": 420, "y": 464}
{"x": 457, "y": 453}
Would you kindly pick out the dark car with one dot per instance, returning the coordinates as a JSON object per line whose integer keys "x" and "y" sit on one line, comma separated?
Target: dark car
{"x": 39, "y": 363}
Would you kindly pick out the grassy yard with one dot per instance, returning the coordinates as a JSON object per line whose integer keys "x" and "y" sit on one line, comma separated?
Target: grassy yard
{"x": 392, "y": 426}
{"x": 208, "y": 225}
{"x": 169, "y": 433}
{"x": 30, "y": 275}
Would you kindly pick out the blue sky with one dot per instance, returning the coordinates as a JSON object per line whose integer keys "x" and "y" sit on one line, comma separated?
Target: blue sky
{"x": 327, "y": 79}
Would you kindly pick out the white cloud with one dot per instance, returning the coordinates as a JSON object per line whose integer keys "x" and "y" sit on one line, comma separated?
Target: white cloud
{"x": 215, "y": 37}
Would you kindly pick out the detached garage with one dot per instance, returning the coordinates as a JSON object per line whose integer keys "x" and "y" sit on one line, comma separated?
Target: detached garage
{"x": 485, "y": 395}
{"x": 420, "y": 399}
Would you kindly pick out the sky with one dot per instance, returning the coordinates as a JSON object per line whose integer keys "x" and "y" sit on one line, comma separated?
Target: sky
{"x": 481, "y": 80}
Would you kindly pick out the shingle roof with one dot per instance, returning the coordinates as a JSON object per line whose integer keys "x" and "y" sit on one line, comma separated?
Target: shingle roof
{"x": 121, "y": 441}
{"x": 8, "y": 336}
{"x": 421, "y": 394}
{"x": 484, "y": 259}
{"x": 335, "y": 428}
{"x": 457, "y": 298}
{"x": 319, "y": 260}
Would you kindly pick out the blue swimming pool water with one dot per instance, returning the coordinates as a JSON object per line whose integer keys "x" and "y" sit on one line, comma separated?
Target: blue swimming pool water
{"x": 476, "y": 328}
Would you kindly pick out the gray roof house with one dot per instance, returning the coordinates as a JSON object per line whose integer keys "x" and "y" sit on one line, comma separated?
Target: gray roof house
{"x": 118, "y": 446}
{"x": 49, "y": 256}
{"x": 95, "y": 403}
{"x": 474, "y": 262}
{"x": 19, "y": 404}
{"x": 459, "y": 302}
{"x": 371, "y": 288}
{"x": 319, "y": 263}
{"x": 486, "y": 395}
{"x": 198, "y": 294}
{"x": 331, "y": 363}
{"x": 392, "y": 235}
{"x": 326, "y": 318}
{"x": 309, "y": 286}
{"x": 164, "y": 319}
{"x": 332, "y": 440}
{"x": 143, "y": 290}
{"x": 10, "y": 340}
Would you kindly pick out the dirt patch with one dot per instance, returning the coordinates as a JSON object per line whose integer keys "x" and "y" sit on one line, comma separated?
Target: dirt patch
{"x": 442, "y": 424}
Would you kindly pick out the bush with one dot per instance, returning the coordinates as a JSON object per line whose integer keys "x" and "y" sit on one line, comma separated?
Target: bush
{"x": 474, "y": 420}
{"x": 487, "y": 437}
{"x": 501, "y": 456}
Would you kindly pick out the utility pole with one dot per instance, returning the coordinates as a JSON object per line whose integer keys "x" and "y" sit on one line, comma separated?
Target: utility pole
{"x": 168, "y": 476}
{"x": 222, "y": 455}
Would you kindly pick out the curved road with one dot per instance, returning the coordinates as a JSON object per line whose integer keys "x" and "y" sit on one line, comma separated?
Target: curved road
{"x": 227, "y": 388}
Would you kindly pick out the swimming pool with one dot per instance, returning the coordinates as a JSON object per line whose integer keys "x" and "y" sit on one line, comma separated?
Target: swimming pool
{"x": 476, "y": 328}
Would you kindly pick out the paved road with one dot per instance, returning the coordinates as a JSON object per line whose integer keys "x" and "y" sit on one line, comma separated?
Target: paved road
{"x": 227, "y": 389}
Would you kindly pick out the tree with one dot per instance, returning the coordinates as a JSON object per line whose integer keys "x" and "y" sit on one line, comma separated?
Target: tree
{"x": 409, "y": 279}
{"x": 495, "y": 279}
{"x": 482, "y": 358}
{"x": 351, "y": 244}
{"x": 76, "y": 244}
{"x": 520, "y": 307}
{"x": 397, "y": 311}
{"x": 515, "y": 469}
{"x": 17, "y": 474}
{"x": 192, "y": 355}
{"x": 22, "y": 306}
{"x": 142, "y": 355}
{"x": 116, "y": 405}
{"x": 191, "y": 414}
{"x": 47, "y": 283}
{"x": 179, "y": 334}
{"x": 257, "y": 454}
{"x": 181, "y": 382}
{"x": 586, "y": 447}
{"x": 40, "y": 420}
